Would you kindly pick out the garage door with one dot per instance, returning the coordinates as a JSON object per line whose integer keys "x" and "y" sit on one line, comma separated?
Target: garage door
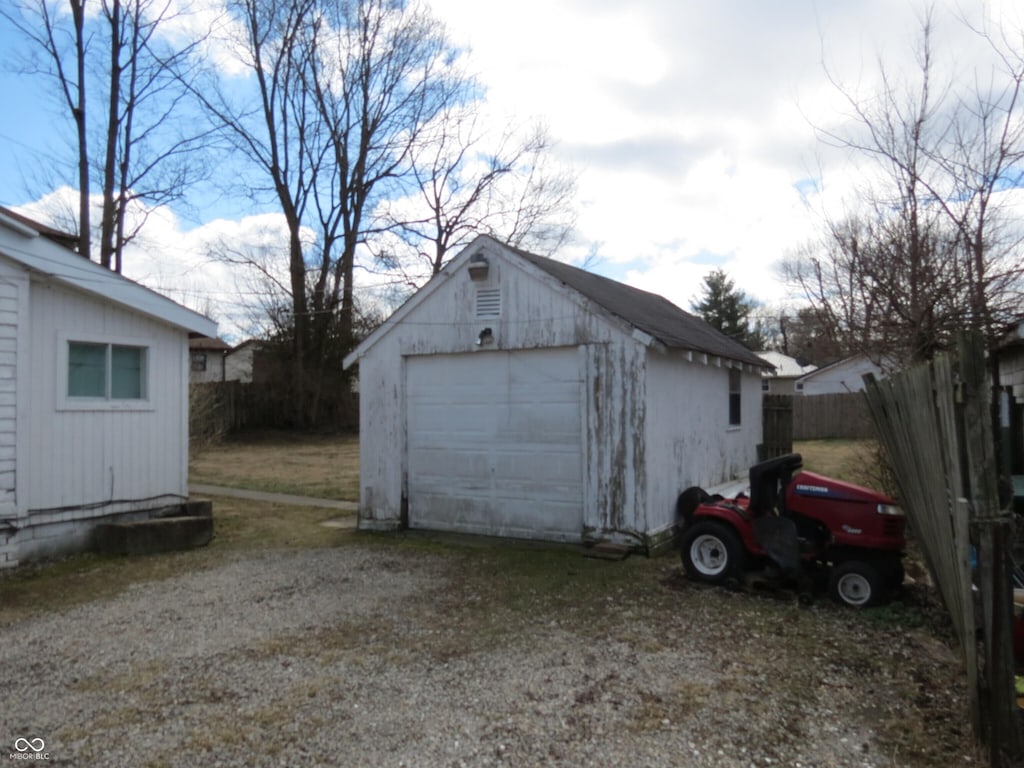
{"x": 494, "y": 443}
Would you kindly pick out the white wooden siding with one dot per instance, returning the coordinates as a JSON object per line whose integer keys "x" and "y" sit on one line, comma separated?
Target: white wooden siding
{"x": 688, "y": 436}
{"x": 84, "y": 463}
{"x": 495, "y": 443}
{"x": 10, "y": 291}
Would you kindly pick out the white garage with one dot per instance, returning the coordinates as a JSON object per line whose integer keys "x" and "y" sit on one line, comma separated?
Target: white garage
{"x": 494, "y": 443}
{"x": 518, "y": 396}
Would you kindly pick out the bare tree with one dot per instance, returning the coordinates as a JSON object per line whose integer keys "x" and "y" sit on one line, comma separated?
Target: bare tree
{"x": 117, "y": 54}
{"x": 463, "y": 185}
{"x": 343, "y": 93}
{"x": 921, "y": 257}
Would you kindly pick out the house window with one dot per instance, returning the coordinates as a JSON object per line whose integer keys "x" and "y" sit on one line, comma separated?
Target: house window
{"x": 106, "y": 371}
{"x": 199, "y": 362}
{"x": 766, "y": 385}
{"x": 735, "y": 383}
{"x": 799, "y": 386}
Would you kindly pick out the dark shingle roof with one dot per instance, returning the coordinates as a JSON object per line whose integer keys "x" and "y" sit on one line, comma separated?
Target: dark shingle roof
{"x": 650, "y": 313}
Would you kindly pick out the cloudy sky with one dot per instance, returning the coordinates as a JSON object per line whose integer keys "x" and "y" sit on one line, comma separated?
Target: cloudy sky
{"x": 690, "y": 123}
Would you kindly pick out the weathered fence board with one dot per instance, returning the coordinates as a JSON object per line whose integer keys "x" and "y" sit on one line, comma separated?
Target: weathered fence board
{"x": 821, "y": 417}
{"x": 934, "y": 420}
{"x": 777, "y": 426}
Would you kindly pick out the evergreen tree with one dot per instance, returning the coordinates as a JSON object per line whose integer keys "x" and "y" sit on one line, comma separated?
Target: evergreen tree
{"x": 724, "y": 307}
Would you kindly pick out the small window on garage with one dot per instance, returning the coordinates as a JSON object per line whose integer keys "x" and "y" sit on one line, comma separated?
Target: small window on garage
{"x": 735, "y": 401}
{"x": 488, "y": 302}
{"x": 106, "y": 371}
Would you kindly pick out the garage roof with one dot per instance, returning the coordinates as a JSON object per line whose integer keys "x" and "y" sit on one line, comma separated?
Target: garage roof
{"x": 653, "y": 314}
{"x": 649, "y": 313}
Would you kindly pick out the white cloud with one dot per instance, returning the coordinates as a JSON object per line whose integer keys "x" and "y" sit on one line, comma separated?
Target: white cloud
{"x": 694, "y": 122}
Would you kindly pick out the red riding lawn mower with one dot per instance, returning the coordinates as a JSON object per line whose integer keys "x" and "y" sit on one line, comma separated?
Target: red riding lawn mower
{"x": 795, "y": 528}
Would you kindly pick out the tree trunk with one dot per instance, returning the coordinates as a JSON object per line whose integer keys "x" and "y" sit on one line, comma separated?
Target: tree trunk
{"x": 78, "y": 110}
{"x": 107, "y": 220}
{"x": 300, "y": 322}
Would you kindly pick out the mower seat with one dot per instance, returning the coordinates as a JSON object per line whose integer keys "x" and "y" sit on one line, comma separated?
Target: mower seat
{"x": 768, "y": 481}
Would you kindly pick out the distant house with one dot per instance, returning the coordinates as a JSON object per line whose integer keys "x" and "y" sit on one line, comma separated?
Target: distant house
{"x": 206, "y": 359}
{"x": 842, "y": 376}
{"x": 782, "y": 377}
{"x": 94, "y": 372}
{"x": 247, "y": 363}
{"x": 1009, "y": 353}
{"x": 518, "y": 396}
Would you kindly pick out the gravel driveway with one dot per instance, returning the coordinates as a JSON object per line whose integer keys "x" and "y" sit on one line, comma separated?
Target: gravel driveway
{"x": 377, "y": 656}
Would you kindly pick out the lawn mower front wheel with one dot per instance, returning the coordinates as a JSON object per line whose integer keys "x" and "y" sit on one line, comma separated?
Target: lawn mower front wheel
{"x": 857, "y": 583}
{"x": 712, "y": 552}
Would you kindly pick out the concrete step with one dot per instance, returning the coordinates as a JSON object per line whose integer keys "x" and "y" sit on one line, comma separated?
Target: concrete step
{"x": 162, "y": 534}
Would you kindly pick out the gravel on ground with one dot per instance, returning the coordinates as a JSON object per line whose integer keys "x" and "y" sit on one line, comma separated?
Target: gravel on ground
{"x": 364, "y": 655}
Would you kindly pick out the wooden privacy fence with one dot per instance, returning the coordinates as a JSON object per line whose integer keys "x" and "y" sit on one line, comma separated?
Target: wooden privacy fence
{"x": 812, "y": 417}
{"x": 935, "y": 423}
{"x": 819, "y": 417}
{"x": 777, "y": 426}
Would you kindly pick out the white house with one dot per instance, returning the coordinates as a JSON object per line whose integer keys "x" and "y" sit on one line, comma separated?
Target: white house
{"x": 842, "y": 376}
{"x": 240, "y": 362}
{"x": 206, "y": 359}
{"x": 518, "y": 396}
{"x": 94, "y": 374}
{"x": 781, "y": 378}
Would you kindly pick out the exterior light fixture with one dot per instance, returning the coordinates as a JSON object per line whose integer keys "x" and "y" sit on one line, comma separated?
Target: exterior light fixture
{"x": 478, "y": 267}
{"x": 485, "y": 338}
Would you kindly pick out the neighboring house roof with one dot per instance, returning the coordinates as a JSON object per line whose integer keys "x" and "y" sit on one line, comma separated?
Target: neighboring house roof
{"x": 786, "y": 367}
{"x": 212, "y": 344}
{"x": 853, "y": 361}
{"x": 254, "y": 343}
{"x": 67, "y": 239}
{"x": 646, "y": 312}
{"x": 38, "y": 249}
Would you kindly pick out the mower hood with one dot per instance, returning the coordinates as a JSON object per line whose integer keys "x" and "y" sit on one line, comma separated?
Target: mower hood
{"x": 813, "y": 485}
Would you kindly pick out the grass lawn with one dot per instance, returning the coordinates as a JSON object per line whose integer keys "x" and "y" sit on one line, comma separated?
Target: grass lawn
{"x": 855, "y": 461}
{"x": 324, "y": 466}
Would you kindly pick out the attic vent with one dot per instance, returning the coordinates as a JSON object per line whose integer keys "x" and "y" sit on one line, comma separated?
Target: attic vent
{"x": 488, "y": 302}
